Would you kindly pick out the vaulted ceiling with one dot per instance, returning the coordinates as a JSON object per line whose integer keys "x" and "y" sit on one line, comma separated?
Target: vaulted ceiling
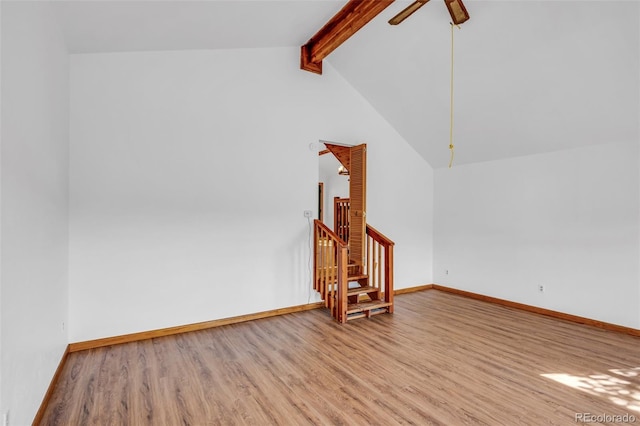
{"x": 530, "y": 76}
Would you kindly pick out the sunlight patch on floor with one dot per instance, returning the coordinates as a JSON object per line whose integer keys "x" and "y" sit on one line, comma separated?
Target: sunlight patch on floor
{"x": 621, "y": 386}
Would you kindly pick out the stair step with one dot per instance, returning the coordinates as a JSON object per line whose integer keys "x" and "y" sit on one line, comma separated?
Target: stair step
{"x": 357, "y": 277}
{"x": 350, "y": 278}
{"x": 367, "y": 307}
{"x": 362, "y": 290}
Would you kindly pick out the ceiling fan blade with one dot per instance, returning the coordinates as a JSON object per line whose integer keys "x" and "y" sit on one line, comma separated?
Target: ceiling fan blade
{"x": 407, "y": 11}
{"x": 457, "y": 11}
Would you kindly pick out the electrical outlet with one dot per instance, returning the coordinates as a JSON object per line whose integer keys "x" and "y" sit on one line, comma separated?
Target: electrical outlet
{"x": 541, "y": 288}
{"x": 308, "y": 213}
{"x": 5, "y": 419}
{"x": 62, "y": 325}
{"x": 446, "y": 272}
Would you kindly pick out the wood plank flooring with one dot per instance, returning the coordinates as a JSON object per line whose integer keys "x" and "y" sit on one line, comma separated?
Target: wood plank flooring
{"x": 440, "y": 359}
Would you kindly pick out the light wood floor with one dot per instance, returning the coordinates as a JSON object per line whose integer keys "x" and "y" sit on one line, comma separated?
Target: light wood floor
{"x": 440, "y": 359}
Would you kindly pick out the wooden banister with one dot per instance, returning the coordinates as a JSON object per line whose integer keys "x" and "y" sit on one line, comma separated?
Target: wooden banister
{"x": 321, "y": 226}
{"x": 341, "y": 217}
{"x": 331, "y": 268}
{"x": 379, "y": 236}
{"x": 380, "y": 263}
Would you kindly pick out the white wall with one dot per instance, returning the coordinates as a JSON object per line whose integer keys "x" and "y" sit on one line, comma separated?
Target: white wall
{"x": 2, "y": 405}
{"x": 190, "y": 172}
{"x": 34, "y": 138}
{"x": 567, "y": 220}
{"x": 400, "y": 204}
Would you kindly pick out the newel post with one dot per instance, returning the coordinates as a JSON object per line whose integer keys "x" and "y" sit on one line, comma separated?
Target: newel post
{"x": 343, "y": 284}
{"x": 388, "y": 276}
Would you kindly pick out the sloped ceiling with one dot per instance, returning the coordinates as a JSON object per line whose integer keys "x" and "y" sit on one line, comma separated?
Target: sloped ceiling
{"x": 530, "y": 76}
{"x": 137, "y": 25}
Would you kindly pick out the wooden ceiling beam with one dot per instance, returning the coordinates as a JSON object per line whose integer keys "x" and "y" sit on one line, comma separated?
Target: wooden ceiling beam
{"x": 342, "y": 154}
{"x": 353, "y": 16}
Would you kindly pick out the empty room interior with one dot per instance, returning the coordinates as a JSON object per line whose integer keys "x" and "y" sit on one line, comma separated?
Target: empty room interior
{"x": 204, "y": 206}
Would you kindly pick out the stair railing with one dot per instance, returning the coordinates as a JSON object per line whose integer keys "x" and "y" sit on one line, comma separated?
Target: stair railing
{"x": 341, "y": 217}
{"x": 379, "y": 264}
{"x": 330, "y": 272}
